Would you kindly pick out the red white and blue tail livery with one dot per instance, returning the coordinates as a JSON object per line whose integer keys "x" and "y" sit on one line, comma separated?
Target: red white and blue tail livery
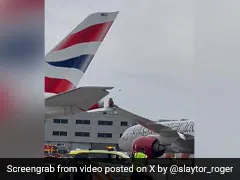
{"x": 66, "y": 64}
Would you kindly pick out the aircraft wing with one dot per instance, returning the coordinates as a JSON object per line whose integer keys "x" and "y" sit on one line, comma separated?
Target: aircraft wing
{"x": 82, "y": 97}
{"x": 183, "y": 143}
{"x": 151, "y": 125}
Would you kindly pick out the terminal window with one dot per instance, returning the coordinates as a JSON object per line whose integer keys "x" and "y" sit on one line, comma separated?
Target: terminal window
{"x": 105, "y": 135}
{"x": 59, "y": 133}
{"x": 82, "y": 121}
{"x": 105, "y": 123}
{"x": 124, "y": 123}
{"x": 60, "y": 121}
{"x": 83, "y": 134}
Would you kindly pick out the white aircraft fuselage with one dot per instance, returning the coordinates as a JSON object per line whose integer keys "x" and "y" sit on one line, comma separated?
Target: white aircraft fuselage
{"x": 125, "y": 142}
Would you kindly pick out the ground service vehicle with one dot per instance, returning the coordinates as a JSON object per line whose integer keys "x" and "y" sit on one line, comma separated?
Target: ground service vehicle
{"x": 103, "y": 159}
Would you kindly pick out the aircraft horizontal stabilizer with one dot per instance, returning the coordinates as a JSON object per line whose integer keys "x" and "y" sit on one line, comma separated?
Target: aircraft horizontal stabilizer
{"x": 82, "y": 97}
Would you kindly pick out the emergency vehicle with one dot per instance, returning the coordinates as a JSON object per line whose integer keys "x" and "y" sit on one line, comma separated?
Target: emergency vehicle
{"x": 56, "y": 151}
{"x": 109, "y": 157}
{"x": 110, "y": 152}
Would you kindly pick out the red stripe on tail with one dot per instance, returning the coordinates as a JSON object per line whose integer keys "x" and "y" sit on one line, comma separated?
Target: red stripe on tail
{"x": 91, "y": 34}
{"x": 57, "y": 86}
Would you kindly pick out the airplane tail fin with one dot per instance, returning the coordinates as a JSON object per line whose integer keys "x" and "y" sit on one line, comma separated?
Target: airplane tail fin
{"x": 99, "y": 107}
{"x": 67, "y": 62}
{"x": 111, "y": 103}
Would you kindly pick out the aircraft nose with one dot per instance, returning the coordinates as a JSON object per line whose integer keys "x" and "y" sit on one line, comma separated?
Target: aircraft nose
{"x": 121, "y": 143}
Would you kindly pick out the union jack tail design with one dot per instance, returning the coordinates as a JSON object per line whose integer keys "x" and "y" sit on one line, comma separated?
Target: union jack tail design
{"x": 66, "y": 64}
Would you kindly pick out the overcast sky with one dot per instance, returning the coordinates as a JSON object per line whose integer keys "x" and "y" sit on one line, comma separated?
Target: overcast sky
{"x": 170, "y": 58}
{"x": 148, "y": 52}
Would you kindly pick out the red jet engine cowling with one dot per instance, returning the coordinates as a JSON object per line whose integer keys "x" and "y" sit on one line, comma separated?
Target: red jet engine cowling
{"x": 151, "y": 145}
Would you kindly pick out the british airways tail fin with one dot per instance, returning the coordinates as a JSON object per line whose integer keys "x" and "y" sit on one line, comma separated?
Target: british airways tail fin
{"x": 67, "y": 62}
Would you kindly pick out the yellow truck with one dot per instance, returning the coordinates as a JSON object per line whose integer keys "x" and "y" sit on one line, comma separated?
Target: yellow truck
{"x": 103, "y": 159}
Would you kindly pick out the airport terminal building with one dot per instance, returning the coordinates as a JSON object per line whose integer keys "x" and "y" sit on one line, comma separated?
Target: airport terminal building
{"x": 86, "y": 130}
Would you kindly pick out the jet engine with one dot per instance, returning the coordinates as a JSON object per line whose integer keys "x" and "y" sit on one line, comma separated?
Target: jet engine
{"x": 98, "y": 105}
{"x": 152, "y": 146}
